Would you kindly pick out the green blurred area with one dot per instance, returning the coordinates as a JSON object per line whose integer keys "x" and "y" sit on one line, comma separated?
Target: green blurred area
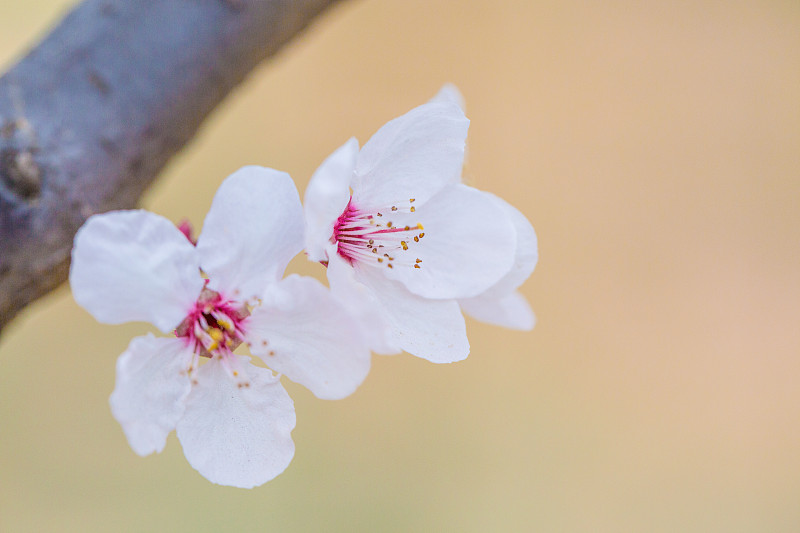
{"x": 656, "y": 149}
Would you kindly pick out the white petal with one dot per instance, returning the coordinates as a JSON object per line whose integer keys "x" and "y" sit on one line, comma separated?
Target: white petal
{"x": 525, "y": 256}
{"x": 134, "y": 265}
{"x": 301, "y": 331}
{"x": 412, "y": 156}
{"x": 468, "y": 246}
{"x": 152, "y": 386}
{"x": 430, "y": 329}
{"x": 449, "y": 93}
{"x": 327, "y": 196}
{"x": 237, "y": 436}
{"x": 253, "y": 229}
{"x": 361, "y": 303}
{"x": 510, "y": 311}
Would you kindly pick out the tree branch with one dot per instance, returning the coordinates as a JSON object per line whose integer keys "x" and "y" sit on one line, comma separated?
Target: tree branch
{"x": 94, "y": 112}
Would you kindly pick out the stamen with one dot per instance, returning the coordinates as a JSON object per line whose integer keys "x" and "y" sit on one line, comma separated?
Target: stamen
{"x": 360, "y": 239}
{"x": 216, "y": 334}
{"x": 214, "y": 327}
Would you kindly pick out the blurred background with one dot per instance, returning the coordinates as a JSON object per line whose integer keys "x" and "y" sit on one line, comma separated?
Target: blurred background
{"x": 656, "y": 149}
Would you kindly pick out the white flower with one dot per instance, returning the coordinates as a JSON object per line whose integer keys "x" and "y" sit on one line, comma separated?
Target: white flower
{"x": 233, "y": 419}
{"x": 400, "y": 231}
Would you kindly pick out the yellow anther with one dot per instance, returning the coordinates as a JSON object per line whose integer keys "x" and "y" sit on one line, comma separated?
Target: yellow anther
{"x": 380, "y": 260}
{"x": 216, "y": 334}
{"x": 420, "y": 227}
{"x": 389, "y": 225}
{"x": 407, "y": 228}
{"x": 394, "y": 208}
{"x": 419, "y": 260}
{"x": 413, "y": 209}
{"x": 390, "y": 265}
{"x": 416, "y": 239}
{"x": 411, "y": 200}
{"x": 235, "y": 373}
{"x": 404, "y": 245}
{"x": 417, "y": 266}
{"x": 421, "y": 235}
{"x": 227, "y": 324}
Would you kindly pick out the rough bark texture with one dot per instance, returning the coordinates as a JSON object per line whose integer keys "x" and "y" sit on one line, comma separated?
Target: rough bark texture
{"x": 91, "y": 115}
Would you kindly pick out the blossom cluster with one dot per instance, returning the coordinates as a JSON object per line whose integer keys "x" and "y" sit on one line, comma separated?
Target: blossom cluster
{"x": 407, "y": 247}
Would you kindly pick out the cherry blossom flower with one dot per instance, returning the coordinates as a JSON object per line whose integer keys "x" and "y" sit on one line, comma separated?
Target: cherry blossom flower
{"x": 233, "y": 418}
{"x": 404, "y": 240}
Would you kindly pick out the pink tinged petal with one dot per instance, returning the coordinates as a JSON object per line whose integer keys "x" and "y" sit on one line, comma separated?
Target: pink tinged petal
{"x": 509, "y": 311}
{"x": 501, "y": 304}
{"x": 326, "y": 198}
{"x": 430, "y": 329}
{"x": 526, "y": 254}
{"x": 412, "y": 156}
{"x": 361, "y": 303}
{"x": 468, "y": 245}
{"x": 449, "y": 93}
{"x": 134, "y": 265}
{"x": 237, "y": 431}
{"x": 152, "y": 386}
{"x": 301, "y": 331}
{"x": 253, "y": 229}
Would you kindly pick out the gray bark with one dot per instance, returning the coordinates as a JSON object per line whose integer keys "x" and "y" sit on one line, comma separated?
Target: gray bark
{"x": 91, "y": 115}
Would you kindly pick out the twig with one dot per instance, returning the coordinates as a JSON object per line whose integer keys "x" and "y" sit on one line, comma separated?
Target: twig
{"x": 91, "y": 115}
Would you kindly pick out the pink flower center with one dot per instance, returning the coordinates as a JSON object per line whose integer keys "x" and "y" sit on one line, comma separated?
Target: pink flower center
{"x": 372, "y": 238}
{"x": 214, "y": 325}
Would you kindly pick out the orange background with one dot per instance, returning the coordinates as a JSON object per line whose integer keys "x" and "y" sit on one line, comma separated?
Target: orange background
{"x": 656, "y": 149}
